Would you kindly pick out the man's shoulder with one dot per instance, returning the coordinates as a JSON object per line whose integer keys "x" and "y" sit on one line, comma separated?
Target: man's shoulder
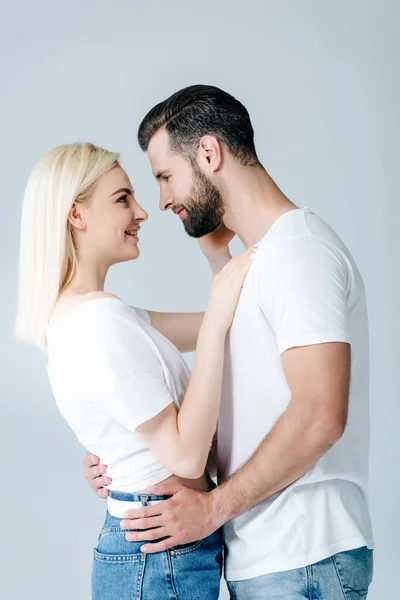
{"x": 294, "y": 260}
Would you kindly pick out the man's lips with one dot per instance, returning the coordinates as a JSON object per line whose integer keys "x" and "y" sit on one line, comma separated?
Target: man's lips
{"x": 180, "y": 212}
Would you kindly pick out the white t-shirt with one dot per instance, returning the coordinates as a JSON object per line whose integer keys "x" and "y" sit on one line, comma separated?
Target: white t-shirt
{"x": 303, "y": 288}
{"x": 110, "y": 371}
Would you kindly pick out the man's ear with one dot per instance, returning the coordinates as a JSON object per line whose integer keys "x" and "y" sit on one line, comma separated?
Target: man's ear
{"x": 75, "y": 217}
{"x": 210, "y": 153}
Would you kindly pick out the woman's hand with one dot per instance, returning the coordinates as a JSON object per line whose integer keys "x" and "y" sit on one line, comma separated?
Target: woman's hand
{"x": 226, "y": 290}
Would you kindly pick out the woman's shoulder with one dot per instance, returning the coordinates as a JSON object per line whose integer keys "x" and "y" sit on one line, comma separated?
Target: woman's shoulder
{"x": 104, "y": 337}
{"x": 65, "y": 304}
{"x": 99, "y": 322}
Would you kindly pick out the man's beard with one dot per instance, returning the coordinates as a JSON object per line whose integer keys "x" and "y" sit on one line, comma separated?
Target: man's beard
{"x": 204, "y": 206}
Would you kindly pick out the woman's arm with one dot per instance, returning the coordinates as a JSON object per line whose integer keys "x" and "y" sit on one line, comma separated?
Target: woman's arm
{"x": 182, "y": 440}
{"x": 182, "y": 329}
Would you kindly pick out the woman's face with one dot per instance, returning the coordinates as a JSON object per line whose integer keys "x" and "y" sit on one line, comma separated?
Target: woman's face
{"x": 111, "y": 219}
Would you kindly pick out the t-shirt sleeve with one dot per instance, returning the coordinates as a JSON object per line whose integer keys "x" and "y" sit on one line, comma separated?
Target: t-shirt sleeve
{"x": 301, "y": 286}
{"x": 143, "y": 314}
{"x": 134, "y": 399}
{"x": 122, "y": 359}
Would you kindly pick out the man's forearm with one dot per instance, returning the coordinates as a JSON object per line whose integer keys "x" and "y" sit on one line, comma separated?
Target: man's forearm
{"x": 182, "y": 329}
{"x": 292, "y": 447}
{"x": 218, "y": 261}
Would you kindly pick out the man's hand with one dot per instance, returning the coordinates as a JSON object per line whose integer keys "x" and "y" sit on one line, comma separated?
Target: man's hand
{"x": 189, "y": 515}
{"x": 95, "y": 475}
{"x": 217, "y": 241}
{"x": 215, "y": 247}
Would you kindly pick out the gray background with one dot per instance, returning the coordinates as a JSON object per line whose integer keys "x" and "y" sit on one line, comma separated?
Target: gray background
{"x": 320, "y": 80}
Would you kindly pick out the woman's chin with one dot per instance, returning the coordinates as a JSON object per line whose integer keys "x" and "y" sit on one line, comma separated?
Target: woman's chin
{"x": 135, "y": 253}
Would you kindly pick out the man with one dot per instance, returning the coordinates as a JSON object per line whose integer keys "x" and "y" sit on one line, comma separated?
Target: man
{"x": 293, "y": 434}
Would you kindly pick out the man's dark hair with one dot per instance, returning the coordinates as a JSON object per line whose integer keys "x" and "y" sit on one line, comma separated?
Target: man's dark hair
{"x": 202, "y": 110}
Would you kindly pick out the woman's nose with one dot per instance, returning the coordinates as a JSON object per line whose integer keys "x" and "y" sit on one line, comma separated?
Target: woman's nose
{"x": 140, "y": 214}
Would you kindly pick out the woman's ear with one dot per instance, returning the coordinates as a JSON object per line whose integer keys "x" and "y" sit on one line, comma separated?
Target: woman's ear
{"x": 75, "y": 217}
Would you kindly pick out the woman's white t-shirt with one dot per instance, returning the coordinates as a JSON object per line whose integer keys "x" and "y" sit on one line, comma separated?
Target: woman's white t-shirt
{"x": 110, "y": 371}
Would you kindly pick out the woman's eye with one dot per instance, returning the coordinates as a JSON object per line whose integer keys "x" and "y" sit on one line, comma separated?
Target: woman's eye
{"x": 123, "y": 199}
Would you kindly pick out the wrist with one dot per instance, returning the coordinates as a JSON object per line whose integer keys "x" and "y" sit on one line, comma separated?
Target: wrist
{"x": 217, "y": 260}
{"x": 220, "y": 510}
{"x": 213, "y": 326}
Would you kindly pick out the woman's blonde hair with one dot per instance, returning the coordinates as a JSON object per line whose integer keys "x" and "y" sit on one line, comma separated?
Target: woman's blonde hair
{"x": 48, "y": 254}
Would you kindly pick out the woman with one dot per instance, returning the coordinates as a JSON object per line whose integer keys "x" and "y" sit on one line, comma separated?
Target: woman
{"x": 122, "y": 386}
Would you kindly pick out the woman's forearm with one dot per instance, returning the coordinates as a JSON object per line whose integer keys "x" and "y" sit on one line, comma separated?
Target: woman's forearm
{"x": 198, "y": 416}
{"x": 184, "y": 439}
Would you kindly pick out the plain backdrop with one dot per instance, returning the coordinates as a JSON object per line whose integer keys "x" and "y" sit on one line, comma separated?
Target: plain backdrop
{"x": 320, "y": 80}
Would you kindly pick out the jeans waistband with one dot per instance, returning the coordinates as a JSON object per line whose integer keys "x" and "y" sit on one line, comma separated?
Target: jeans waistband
{"x": 127, "y": 497}
{"x": 119, "y": 502}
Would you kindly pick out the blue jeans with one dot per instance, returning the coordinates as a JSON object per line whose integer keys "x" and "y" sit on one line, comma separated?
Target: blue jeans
{"x": 121, "y": 572}
{"x": 344, "y": 576}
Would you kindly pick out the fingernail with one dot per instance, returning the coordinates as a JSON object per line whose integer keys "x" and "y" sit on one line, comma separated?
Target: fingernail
{"x": 123, "y": 524}
{"x": 143, "y": 549}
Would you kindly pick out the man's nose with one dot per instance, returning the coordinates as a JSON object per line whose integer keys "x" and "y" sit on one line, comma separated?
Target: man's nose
{"x": 166, "y": 202}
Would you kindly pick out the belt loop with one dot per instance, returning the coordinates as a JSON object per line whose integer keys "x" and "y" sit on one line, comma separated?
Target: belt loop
{"x": 144, "y": 499}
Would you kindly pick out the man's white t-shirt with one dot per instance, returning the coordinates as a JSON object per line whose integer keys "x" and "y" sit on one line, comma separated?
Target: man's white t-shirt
{"x": 303, "y": 288}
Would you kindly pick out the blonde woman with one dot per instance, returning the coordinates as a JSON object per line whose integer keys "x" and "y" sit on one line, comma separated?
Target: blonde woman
{"x": 120, "y": 383}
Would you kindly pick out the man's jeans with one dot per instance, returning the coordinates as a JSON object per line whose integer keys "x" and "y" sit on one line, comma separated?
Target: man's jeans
{"x": 344, "y": 576}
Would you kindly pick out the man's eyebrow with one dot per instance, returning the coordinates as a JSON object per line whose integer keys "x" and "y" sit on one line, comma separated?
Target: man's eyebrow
{"x": 126, "y": 190}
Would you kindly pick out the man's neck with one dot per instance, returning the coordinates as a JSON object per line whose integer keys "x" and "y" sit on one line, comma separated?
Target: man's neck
{"x": 253, "y": 203}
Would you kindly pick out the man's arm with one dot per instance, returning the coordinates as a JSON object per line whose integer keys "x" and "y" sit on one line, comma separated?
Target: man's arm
{"x": 97, "y": 478}
{"x": 95, "y": 475}
{"x": 318, "y": 377}
{"x": 315, "y": 419}
{"x": 182, "y": 329}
